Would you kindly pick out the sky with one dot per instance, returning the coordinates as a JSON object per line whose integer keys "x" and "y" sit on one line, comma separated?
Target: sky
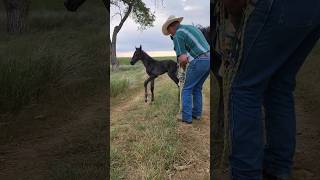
{"x": 152, "y": 39}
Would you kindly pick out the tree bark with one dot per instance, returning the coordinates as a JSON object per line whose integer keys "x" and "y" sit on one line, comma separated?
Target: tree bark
{"x": 114, "y": 60}
{"x": 116, "y": 30}
{"x": 17, "y": 12}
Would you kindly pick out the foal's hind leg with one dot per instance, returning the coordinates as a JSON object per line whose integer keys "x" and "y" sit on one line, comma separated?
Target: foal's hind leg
{"x": 152, "y": 88}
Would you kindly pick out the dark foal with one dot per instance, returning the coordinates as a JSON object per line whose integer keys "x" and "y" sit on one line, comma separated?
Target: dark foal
{"x": 154, "y": 69}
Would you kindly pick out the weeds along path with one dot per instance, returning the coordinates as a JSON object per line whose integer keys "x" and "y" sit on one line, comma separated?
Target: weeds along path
{"x": 147, "y": 142}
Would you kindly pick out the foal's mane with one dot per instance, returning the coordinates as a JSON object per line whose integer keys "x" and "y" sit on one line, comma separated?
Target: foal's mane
{"x": 146, "y": 56}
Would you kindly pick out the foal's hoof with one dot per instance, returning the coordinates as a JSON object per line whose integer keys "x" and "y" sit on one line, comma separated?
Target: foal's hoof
{"x": 145, "y": 101}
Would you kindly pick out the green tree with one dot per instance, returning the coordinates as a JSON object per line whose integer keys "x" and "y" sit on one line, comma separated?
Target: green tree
{"x": 141, "y": 14}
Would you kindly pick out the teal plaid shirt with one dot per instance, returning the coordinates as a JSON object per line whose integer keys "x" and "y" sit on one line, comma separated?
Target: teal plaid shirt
{"x": 189, "y": 39}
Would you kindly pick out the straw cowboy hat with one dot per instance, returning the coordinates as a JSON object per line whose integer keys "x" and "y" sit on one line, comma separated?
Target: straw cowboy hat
{"x": 170, "y": 20}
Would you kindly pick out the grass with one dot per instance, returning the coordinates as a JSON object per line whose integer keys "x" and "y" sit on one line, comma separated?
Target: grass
{"x": 144, "y": 139}
{"x": 27, "y": 72}
{"x": 118, "y": 87}
{"x": 125, "y": 80}
{"x": 49, "y": 75}
{"x": 144, "y": 142}
{"x": 59, "y": 56}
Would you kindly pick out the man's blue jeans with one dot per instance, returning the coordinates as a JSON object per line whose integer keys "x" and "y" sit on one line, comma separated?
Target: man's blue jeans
{"x": 278, "y": 37}
{"x": 197, "y": 73}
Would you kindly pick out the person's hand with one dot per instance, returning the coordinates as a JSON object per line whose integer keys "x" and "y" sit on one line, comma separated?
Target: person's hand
{"x": 183, "y": 60}
{"x": 183, "y": 64}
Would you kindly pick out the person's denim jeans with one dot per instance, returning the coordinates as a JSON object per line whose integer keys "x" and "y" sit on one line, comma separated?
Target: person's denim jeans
{"x": 278, "y": 37}
{"x": 196, "y": 74}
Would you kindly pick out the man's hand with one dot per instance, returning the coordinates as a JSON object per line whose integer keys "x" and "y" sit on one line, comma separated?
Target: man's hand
{"x": 183, "y": 60}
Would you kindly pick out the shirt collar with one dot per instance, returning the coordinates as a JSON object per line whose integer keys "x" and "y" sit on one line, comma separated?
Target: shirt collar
{"x": 178, "y": 27}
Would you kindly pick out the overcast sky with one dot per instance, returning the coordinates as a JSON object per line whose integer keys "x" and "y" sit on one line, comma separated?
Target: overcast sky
{"x": 152, "y": 39}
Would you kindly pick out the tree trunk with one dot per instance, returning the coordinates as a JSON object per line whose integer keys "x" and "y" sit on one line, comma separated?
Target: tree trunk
{"x": 17, "y": 11}
{"x": 116, "y": 30}
{"x": 114, "y": 60}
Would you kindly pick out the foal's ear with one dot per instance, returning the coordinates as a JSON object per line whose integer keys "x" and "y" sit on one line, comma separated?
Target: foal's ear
{"x": 140, "y": 47}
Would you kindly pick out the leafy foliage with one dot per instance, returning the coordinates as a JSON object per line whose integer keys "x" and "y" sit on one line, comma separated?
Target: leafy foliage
{"x": 141, "y": 14}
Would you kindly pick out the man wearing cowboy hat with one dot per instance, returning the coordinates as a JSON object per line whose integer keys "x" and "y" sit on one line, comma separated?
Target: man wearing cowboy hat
{"x": 189, "y": 41}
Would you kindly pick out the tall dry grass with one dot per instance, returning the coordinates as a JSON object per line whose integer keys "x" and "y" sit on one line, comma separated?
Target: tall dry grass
{"x": 61, "y": 51}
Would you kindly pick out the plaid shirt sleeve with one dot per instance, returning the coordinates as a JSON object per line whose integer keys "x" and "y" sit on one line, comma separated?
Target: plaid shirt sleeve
{"x": 179, "y": 44}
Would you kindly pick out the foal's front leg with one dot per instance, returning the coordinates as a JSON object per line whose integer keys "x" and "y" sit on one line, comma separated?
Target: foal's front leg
{"x": 146, "y": 90}
{"x": 145, "y": 87}
{"x": 152, "y": 88}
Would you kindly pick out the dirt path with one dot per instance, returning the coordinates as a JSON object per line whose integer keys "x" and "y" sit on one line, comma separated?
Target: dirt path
{"x": 119, "y": 111}
{"x": 31, "y": 157}
{"x": 307, "y": 164}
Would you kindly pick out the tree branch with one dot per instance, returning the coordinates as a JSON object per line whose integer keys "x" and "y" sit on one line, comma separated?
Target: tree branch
{"x": 126, "y": 15}
{"x": 119, "y": 8}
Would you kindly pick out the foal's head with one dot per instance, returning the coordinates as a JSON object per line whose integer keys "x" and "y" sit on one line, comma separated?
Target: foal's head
{"x": 138, "y": 55}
